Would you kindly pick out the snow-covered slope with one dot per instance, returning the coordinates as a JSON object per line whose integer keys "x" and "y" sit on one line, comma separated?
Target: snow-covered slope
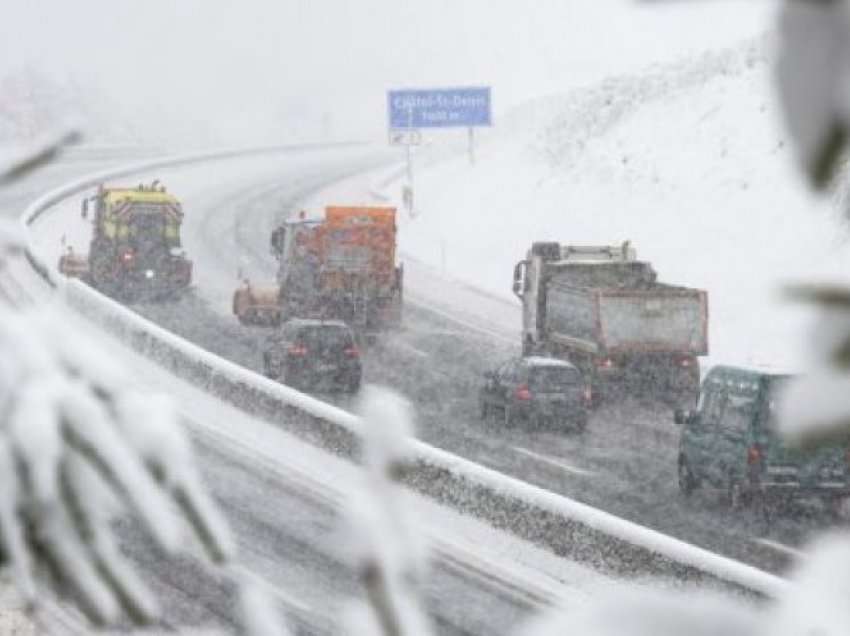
{"x": 688, "y": 161}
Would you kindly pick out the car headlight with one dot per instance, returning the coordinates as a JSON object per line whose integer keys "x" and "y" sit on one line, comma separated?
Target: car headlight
{"x": 149, "y": 273}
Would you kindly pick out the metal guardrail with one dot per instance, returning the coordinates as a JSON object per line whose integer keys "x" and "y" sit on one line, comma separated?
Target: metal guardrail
{"x": 563, "y": 526}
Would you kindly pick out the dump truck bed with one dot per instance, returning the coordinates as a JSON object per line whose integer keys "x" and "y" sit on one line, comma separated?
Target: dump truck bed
{"x": 652, "y": 319}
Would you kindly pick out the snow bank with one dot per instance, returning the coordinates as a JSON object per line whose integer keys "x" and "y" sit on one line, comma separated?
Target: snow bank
{"x": 563, "y": 526}
{"x": 13, "y": 615}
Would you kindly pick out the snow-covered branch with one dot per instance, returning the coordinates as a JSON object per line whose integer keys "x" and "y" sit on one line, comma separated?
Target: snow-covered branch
{"x": 387, "y": 553}
{"x": 813, "y": 79}
{"x": 77, "y": 443}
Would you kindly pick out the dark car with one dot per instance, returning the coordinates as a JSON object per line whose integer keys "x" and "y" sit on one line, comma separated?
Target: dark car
{"x": 536, "y": 389}
{"x": 314, "y": 355}
{"x": 730, "y": 443}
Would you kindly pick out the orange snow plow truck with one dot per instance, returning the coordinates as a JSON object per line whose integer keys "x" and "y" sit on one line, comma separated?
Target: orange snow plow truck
{"x": 341, "y": 267}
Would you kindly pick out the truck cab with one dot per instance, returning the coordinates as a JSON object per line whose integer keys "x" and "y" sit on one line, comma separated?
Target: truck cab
{"x": 135, "y": 249}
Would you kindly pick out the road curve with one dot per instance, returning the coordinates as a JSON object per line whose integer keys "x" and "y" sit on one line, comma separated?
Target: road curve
{"x": 625, "y": 464}
{"x": 288, "y": 542}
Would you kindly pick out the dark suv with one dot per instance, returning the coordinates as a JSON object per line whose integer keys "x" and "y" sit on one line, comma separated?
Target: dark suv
{"x": 536, "y": 389}
{"x": 730, "y": 443}
{"x": 314, "y": 355}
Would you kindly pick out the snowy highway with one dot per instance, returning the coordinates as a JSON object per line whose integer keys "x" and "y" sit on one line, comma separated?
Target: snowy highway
{"x": 625, "y": 463}
{"x": 289, "y": 531}
{"x": 582, "y": 273}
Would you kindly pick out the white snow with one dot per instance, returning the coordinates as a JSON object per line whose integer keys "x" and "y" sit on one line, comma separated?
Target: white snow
{"x": 688, "y": 162}
{"x": 631, "y": 611}
{"x": 548, "y": 362}
{"x": 257, "y": 609}
{"x": 813, "y": 75}
{"x": 385, "y": 539}
{"x": 817, "y": 603}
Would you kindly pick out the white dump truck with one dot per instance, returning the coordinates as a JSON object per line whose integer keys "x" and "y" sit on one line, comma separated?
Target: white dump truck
{"x": 605, "y": 311}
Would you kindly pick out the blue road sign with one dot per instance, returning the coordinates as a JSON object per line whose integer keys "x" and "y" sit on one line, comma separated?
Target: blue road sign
{"x": 439, "y": 108}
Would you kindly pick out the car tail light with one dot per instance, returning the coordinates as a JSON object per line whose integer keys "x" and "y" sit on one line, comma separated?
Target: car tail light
{"x": 605, "y": 363}
{"x": 587, "y": 396}
{"x": 753, "y": 455}
{"x": 522, "y": 393}
{"x": 127, "y": 256}
{"x": 352, "y": 352}
{"x": 297, "y": 350}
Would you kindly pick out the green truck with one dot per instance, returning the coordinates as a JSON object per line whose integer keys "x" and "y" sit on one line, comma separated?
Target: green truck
{"x": 730, "y": 442}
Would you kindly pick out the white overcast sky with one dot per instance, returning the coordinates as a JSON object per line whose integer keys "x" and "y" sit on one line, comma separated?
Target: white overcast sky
{"x": 257, "y": 60}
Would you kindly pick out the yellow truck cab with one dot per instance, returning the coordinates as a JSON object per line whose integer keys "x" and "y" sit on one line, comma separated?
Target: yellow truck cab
{"x": 135, "y": 248}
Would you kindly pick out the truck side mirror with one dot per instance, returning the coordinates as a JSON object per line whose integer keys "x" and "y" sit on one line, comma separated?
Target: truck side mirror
{"x": 84, "y": 210}
{"x": 682, "y": 417}
{"x": 519, "y": 287}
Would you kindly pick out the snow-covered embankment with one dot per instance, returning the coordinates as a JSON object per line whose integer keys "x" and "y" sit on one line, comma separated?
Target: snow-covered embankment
{"x": 688, "y": 161}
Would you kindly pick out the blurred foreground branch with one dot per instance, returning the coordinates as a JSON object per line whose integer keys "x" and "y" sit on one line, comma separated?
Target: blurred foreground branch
{"x": 388, "y": 555}
{"x": 80, "y": 445}
{"x": 37, "y": 158}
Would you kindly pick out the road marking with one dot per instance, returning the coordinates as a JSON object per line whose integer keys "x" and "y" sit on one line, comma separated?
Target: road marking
{"x": 779, "y": 547}
{"x": 410, "y": 349}
{"x": 463, "y": 323}
{"x": 279, "y": 593}
{"x": 554, "y": 462}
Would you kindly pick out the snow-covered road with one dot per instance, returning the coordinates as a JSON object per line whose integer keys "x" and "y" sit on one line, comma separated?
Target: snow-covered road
{"x": 625, "y": 464}
{"x": 286, "y": 535}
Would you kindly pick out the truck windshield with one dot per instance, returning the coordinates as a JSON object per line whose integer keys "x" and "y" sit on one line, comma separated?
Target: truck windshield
{"x": 740, "y": 410}
{"x": 326, "y": 338}
{"x": 554, "y": 378}
{"x": 147, "y": 232}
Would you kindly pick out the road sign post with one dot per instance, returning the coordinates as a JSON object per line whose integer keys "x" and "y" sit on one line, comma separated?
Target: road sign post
{"x": 405, "y": 137}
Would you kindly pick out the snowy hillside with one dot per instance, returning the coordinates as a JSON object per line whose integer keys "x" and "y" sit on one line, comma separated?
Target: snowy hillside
{"x": 688, "y": 161}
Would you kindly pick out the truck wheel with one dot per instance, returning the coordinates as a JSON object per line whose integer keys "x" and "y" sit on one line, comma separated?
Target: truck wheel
{"x": 508, "y": 416}
{"x": 352, "y": 385}
{"x": 581, "y": 422}
{"x": 834, "y": 507}
{"x": 268, "y": 369}
{"x": 687, "y": 481}
{"x": 485, "y": 410}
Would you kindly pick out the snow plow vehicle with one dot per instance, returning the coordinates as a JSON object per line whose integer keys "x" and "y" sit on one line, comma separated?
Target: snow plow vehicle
{"x": 135, "y": 250}
{"x": 339, "y": 267}
{"x": 605, "y": 311}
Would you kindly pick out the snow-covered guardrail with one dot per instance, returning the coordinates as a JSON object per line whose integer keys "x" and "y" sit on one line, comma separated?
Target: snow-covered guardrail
{"x": 561, "y": 525}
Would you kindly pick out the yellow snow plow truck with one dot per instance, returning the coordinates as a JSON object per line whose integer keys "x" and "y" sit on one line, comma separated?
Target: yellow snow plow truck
{"x": 135, "y": 250}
